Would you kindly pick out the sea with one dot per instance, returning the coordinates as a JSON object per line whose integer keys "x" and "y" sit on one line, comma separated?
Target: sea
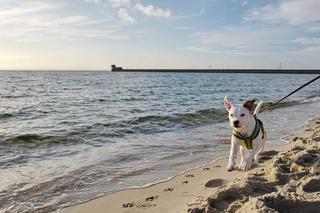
{"x": 71, "y": 136}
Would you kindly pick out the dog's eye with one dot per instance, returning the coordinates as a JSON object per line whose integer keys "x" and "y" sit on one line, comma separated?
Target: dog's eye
{"x": 242, "y": 115}
{"x": 231, "y": 115}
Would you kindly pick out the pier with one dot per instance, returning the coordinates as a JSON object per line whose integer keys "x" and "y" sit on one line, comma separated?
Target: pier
{"x": 114, "y": 68}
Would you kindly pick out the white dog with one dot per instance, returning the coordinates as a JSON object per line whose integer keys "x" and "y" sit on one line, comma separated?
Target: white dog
{"x": 248, "y": 134}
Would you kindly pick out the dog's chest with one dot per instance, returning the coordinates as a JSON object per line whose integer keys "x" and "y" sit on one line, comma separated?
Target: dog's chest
{"x": 255, "y": 142}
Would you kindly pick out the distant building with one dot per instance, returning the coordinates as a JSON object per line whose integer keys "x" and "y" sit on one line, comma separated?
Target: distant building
{"x": 115, "y": 68}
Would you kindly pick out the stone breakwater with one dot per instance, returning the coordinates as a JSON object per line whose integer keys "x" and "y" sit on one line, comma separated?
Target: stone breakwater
{"x": 289, "y": 181}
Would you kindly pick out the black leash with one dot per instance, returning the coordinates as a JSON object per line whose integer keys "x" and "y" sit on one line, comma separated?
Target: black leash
{"x": 309, "y": 82}
{"x": 298, "y": 89}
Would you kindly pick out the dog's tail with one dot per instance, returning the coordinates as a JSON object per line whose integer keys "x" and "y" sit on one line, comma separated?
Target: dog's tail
{"x": 258, "y": 107}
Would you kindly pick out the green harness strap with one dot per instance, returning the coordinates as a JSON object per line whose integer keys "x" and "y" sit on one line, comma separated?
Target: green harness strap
{"x": 248, "y": 140}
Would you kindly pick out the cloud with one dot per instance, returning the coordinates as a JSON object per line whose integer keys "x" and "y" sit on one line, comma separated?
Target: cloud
{"x": 307, "y": 41}
{"x": 95, "y": 1}
{"x": 311, "y": 46}
{"x": 190, "y": 15}
{"x": 313, "y": 28}
{"x": 309, "y": 51}
{"x": 294, "y": 12}
{"x": 113, "y": 3}
{"x": 185, "y": 28}
{"x": 204, "y": 50}
{"x": 289, "y": 15}
{"x": 198, "y": 49}
{"x": 217, "y": 51}
{"x": 120, "y": 3}
{"x": 125, "y": 16}
{"x": 17, "y": 10}
{"x": 242, "y": 2}
{"x": 245, "y": 37}
{"x": 151, "y": 10}
{"x": 125, "y": 7}
{"x": 38, "y": 20}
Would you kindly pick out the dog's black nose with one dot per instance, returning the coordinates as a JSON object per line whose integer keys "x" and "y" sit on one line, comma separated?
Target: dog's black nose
{"x": 236, "y": 123}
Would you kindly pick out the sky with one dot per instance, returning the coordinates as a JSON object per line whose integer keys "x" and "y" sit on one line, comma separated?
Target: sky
{"x": 93, "y": 34}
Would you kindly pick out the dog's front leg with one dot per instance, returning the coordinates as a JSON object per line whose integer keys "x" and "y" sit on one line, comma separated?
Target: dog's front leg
{"x": 242, "y": 152}
{"x": 232, "y": 158}
{"x": 251, "y": 158}
{"x": 247, "y": 163}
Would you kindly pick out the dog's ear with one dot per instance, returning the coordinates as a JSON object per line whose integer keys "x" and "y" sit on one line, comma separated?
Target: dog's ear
{"x": 249, "y": 104}
{"x": 227, "y": 104}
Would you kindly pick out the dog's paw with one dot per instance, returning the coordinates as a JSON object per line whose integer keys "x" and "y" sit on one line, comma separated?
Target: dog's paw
{"x": 231, "y": 166}
{"x": 238, "y": 167}
{"x": 246, "y": 166}
{"x": 256, "y": 161}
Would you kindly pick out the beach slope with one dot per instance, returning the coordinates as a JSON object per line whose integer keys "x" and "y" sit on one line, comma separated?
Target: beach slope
{"x": 289, "y": 182}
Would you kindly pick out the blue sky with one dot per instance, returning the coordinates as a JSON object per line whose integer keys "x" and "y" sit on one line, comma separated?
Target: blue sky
{"x": 93, "y": 34}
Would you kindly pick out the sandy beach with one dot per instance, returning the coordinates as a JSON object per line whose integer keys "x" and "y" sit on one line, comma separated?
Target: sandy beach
{"x": 117, "y": 106}
{"x": 286, "y": 178}
{"x": 169, "y": 196}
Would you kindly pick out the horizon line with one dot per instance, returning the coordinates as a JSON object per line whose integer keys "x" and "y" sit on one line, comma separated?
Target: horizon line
{"x": 157, "y": 69}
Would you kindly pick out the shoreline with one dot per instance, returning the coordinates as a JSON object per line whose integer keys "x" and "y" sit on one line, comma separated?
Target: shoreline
{"x": 154, "y": 197}
{"x": 179, "y": 185}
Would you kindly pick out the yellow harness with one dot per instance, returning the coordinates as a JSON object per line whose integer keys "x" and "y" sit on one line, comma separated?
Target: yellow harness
{"x": 248, "y": 140}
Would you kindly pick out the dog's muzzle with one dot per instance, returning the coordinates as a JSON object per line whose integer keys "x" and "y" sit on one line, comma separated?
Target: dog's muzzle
{"x": 236, "y": 124}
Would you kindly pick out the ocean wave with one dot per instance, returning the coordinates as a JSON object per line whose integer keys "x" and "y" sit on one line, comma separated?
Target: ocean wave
{"x": 314, "y": 94}
{"x": 22, "y": 197}
{"x": 269, "y": 106}
{"x": 132, "y": 173}
{"x": 144, "y": 124}
{"x": 201, "y": 116}
{"x": 6, "y": 115}
{"x": 159, "y": 123}
{"x": 37, "y": 141}
{"x": 183, "y": 118}
{"x": 124, "y": 158}
{"x": 56, "y": 192}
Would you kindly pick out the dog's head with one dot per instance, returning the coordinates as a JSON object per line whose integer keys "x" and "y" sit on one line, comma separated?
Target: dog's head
{"x": 239, "y": 115}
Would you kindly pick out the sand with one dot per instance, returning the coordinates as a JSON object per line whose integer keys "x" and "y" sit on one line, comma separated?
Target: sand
{"x": 169, "y": 196}
{"x": 286, "y": 180}
{"x": 289, "y": 182}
